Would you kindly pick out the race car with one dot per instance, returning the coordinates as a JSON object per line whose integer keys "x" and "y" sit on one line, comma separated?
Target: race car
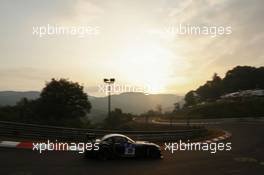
{"x": 120, "y": 146}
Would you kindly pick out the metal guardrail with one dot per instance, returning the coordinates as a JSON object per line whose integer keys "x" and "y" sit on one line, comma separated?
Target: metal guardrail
{"x": 43, "y": 132}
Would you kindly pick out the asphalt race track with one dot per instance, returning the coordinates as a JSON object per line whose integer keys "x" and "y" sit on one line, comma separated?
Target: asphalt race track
{"x": 246, "y": 157}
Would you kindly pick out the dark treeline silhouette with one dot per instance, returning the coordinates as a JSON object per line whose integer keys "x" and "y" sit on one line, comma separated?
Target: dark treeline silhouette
{"x": 207, "y": 100}
{"x": 118, "y": 120}
{"x": 61, "y": 102}
{"x": 237, "y": 79}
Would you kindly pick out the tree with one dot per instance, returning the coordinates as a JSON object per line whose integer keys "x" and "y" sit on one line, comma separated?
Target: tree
{"x": 190, "y": 98}
{"x": 216, "y": 87}
{"x": 176, "y": 107}
{"x": 211, "y": 90}
{"x": 159, "y": 109}
{"x": 148, "y": 114}
{"x": 26, "y": 109}
{"x": 114, "y": 120}
{"x": 62, "y": 99}
{"x": 243, "y": 78}
{"x": 117, "y": 118}
{"x": 239, "y": 78}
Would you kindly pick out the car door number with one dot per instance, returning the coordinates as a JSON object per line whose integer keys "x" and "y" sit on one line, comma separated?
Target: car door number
{"x": 129, "y": 150}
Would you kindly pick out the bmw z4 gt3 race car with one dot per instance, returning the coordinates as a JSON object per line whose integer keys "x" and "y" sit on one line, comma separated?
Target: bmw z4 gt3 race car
{"x": 120, "y": 146}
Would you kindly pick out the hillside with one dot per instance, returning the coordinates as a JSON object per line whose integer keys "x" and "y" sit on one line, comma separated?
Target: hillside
{"x": 135, "y": 103}
{"x": 11, "y": 97}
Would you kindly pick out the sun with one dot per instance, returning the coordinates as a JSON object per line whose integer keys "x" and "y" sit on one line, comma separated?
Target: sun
{"x": 155, "y": 88}
{"x": 146, "y": 63}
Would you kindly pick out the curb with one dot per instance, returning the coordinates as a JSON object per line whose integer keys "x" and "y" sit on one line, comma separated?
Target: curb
{"x": 29, "y": 145}
{"x": 12, "y": 144}
{"x": 184, "y": 123}
{"x": 220, "y": 138}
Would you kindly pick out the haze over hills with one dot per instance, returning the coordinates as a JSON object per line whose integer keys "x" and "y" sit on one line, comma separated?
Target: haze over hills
{"x": 12, "y": 97}
{"x": 131, "y": 102}
{"x": 135, "y": 103}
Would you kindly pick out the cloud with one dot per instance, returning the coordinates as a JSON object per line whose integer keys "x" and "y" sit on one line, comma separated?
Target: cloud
{"x": 244, "y": 16}
{"x": 194, "y": 58}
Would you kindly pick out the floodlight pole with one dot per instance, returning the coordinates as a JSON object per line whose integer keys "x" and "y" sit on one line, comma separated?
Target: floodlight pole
{"x": 109, "y": 100}
{"x": 109, "y": 82}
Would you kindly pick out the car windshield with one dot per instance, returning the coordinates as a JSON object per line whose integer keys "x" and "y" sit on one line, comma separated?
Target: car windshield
{"x": 124, "y": 138}
{"x": 130, "y": 140}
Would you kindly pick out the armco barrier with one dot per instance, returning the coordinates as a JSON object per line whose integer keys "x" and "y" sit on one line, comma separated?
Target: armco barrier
{"x": 43, "y": 132}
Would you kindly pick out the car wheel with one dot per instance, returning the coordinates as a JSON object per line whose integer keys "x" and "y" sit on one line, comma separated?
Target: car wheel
{"x": 155, "y": 154}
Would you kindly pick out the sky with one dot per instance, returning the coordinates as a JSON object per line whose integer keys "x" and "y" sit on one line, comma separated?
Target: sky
{"x": 131, "y": 45}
